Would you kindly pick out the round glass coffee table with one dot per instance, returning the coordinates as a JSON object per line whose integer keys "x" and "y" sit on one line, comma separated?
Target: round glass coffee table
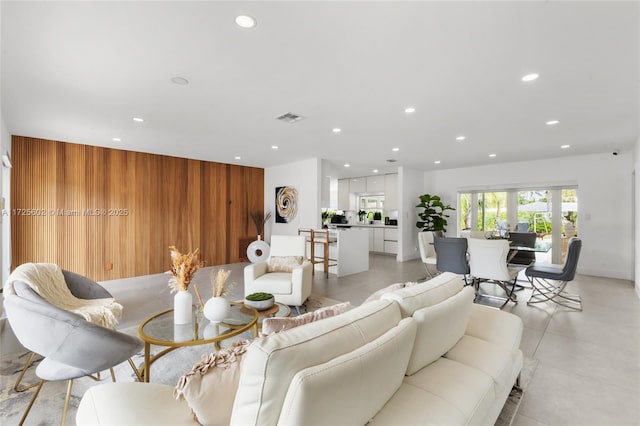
{"x": 277, "y": 310}
{"x": 160, "y": 330}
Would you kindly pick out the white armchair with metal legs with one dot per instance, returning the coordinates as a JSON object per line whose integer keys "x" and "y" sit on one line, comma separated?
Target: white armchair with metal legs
{"x": 488, "y": 263}
{"x": 427, "y": 251}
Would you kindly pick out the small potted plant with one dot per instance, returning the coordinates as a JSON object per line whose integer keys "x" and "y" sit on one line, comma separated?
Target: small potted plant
{"x": 259, "y": 301}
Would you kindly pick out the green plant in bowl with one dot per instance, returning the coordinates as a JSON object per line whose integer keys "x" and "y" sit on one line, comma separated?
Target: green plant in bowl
{"x": 256, "y": 297}
{"x": 259, "y": 301}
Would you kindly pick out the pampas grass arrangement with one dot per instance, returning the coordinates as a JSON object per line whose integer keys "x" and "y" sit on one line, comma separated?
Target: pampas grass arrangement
{"x": 183, "y": 267}
{"x": 219, "y": 281}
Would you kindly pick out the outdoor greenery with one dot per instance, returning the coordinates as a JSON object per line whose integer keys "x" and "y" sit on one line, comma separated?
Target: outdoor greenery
{"x": 493, "y": 205}
{"x": 432, "y": 217}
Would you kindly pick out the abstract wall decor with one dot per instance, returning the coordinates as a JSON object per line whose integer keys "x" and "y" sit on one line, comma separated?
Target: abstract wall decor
{"x": 286, "y": 204}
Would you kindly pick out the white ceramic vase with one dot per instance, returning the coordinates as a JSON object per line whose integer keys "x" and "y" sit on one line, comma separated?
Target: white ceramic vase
{"x": 182, "y": 302}
{"x": 258, "y": 251}
{"x": 216, "y": 309}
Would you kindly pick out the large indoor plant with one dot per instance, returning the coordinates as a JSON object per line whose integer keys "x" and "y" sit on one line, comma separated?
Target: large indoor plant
{"x": 432, "y": 217}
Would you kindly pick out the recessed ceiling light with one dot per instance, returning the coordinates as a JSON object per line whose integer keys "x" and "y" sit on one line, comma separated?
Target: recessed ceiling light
{"x": 551, "y": 122}
{"x": 461, "y": 138}
{"x": 336, "y": 130}
{"x": 347, "y": 165}
{"x": 180, "y": 81}
{"x": 565, "y": 146}
{"x": 492, "y": 155}
{"x": 138, "y": 119}
{"x": 274, "y": 146}
{"x": 116, "y": 139}
{"x": 245, "y": 21}
{"x": 375, "y": 170}
{"x": 395, "y": 149}
{"x": 410, "y": 110}
{"x": 436, "y": 162}
{"x": 237, "y": 157}
{"x": 530, "y": 77}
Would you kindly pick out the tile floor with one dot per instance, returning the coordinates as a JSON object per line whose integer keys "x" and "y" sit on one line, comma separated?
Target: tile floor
{"x": 588, "y": 370}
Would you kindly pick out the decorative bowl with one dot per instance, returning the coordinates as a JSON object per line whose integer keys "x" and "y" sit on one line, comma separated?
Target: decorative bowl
{"x": 260, "y": 305}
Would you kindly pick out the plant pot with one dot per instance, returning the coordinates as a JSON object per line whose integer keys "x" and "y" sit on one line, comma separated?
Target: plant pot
{"x": 260, "y": 305}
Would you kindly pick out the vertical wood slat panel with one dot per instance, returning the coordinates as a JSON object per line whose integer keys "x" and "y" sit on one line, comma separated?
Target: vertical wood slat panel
{"x": 170, "y": 201}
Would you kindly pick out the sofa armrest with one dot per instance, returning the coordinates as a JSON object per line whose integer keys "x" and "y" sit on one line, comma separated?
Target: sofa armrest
{"x": 254, "y": 271}
{"x": 496, "y": 326}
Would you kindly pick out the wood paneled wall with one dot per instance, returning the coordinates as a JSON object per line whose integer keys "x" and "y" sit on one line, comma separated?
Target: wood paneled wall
{"x": 107, "y": 213}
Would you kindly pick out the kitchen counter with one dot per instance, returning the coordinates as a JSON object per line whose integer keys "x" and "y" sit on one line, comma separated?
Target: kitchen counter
{"x": 363, "y": 225}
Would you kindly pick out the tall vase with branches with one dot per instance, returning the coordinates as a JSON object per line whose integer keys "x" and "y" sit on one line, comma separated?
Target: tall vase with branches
{"x": 260, "y": 219}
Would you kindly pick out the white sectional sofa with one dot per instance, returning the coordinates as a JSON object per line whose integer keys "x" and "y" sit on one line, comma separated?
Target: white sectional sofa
{"x": 422, "y": 355}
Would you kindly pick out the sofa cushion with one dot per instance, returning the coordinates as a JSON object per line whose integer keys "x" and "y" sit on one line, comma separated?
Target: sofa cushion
{"x": 499, "y": 327}
{"x": 487, "y": 357}
{"x": 132, "y": 403}
{"x": 469, "y": 390}
{"x": 351, "y": 388}
{"x": 439, "y": 328}
{"x": 427, "y": 293}
{"x": 413, "y": 406}
{"x": 210, "y": 386}
{"x": 283, "y": 263}
{"x": 388, "y": 289}
{"x": 274, "y": 283}
{"x": 277, "y": 324}
{"x": 271, "y": 363}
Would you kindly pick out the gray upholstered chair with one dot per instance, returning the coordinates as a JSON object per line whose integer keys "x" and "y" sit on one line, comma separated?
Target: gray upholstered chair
{"x": 523, "y": 239}
{"x": 549, "y": 281}
{"x": 71, "y": 346}
{"x": 452, "y": 256}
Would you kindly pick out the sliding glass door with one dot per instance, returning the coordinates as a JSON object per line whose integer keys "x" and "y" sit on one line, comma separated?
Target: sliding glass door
{"x": 552, "y": 213}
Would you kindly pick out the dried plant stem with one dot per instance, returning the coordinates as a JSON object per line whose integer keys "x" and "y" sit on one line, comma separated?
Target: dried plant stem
{"x": 195, "y": 287}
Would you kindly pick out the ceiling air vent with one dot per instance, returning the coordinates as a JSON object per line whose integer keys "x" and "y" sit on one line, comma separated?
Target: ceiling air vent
{"x": 290, "y": 118}
{"x": 392, "y": 160}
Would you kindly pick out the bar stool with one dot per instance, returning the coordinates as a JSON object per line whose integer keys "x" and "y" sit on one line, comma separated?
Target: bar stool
{"x": 320, "y": 237}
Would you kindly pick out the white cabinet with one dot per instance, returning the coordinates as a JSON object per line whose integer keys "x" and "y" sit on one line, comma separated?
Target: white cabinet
{"x": 358, "y": 185}
{"x": 391, "y": 240}
{"x": 376, "y": 240}
{"x": 375, "y": 184}
{"x": 343, "y": 194}
{"x": 391, "y": 191}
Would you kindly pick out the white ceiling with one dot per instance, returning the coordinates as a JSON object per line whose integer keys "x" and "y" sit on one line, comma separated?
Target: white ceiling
{"x": 80, "y": 71}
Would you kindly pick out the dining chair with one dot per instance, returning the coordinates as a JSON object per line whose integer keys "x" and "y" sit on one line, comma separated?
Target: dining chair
{"x": 488, "y": 263}
{"x": 452, "y": 256}
{"x": 523, "y": 239}
{"x": 549, "y": 281}
{"x": 427, "y": 251}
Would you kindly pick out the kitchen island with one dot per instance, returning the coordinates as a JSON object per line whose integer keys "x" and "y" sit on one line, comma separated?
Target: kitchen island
{"x": 382, "y": 238}
{"x": 351, "y": 251}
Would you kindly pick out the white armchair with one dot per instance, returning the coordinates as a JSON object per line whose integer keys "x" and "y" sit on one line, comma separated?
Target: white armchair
{"x": 289, "y": 288}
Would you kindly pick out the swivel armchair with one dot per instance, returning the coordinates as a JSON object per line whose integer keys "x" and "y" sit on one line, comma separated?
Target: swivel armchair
{"x": 286, "y": 274}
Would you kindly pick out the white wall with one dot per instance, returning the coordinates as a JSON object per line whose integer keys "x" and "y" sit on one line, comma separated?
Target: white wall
{"x": 410, "y": 187}
{"x": 604, "y": 200}
{"x": 5, "y": 180}
{"x": 305, "y": 177}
